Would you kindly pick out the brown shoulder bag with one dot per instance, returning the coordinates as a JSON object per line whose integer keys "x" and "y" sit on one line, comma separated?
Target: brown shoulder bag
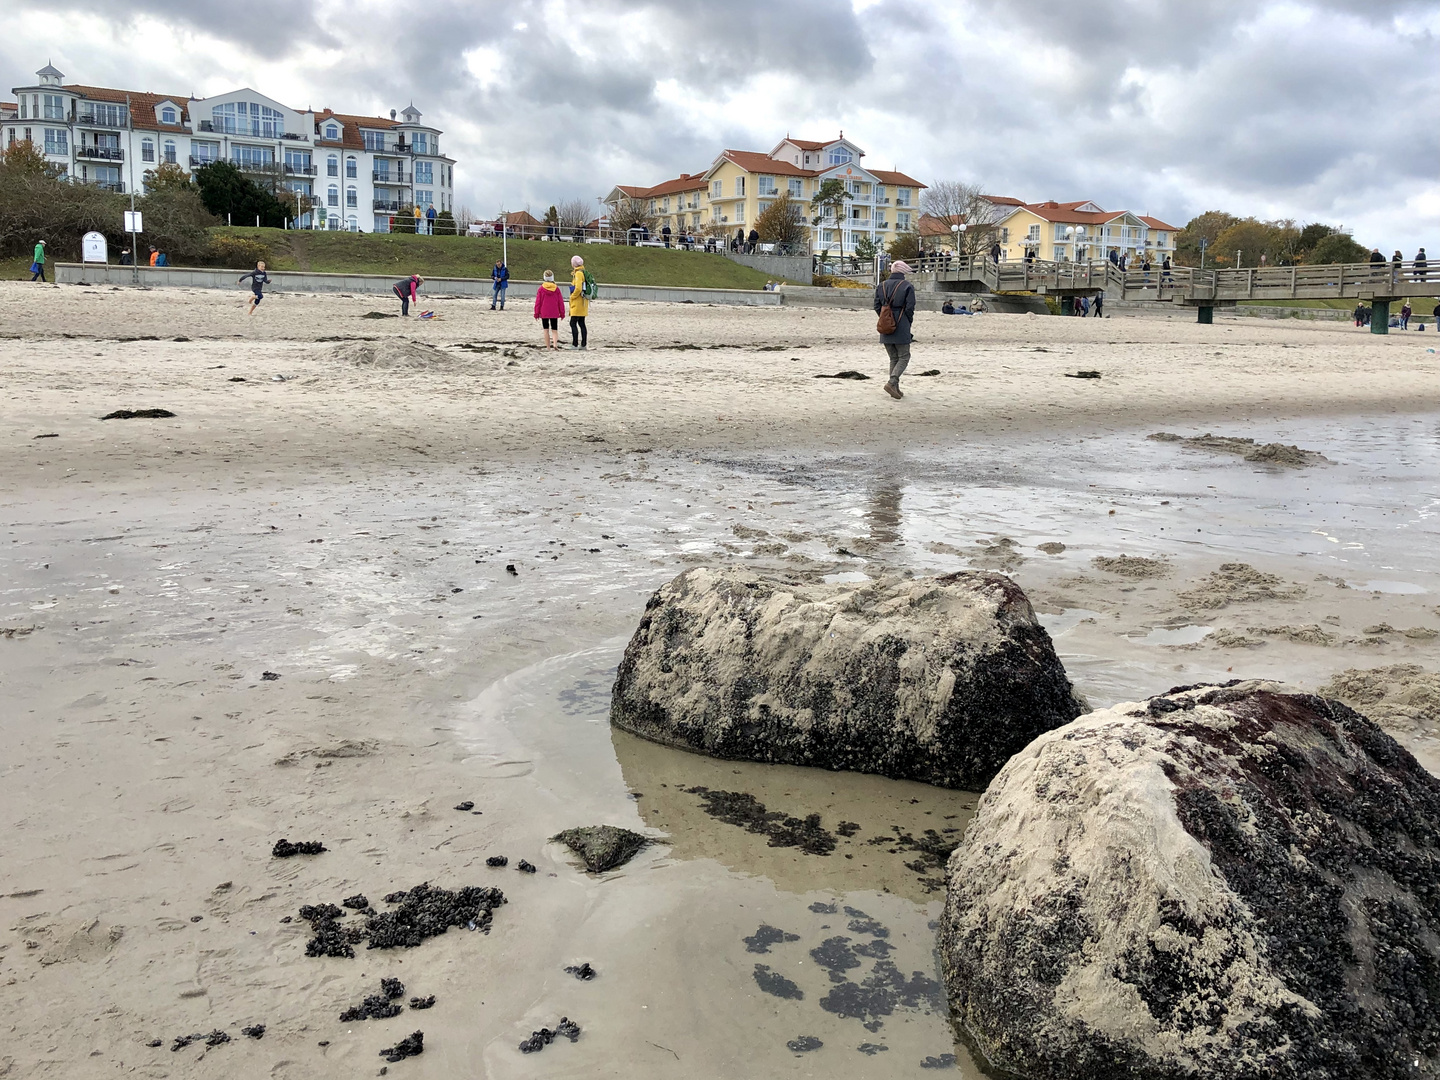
{"x": 886, "y": 324}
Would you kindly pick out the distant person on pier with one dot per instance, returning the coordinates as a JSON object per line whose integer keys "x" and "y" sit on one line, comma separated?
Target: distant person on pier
{"x": 995, "y": 252}
{"x": 1422, "y": 266}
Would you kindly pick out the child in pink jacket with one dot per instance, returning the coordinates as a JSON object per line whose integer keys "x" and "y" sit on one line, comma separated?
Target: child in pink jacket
{"x": 550, "y": 309}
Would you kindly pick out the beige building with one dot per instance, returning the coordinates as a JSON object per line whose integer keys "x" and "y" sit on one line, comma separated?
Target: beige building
{"x": 741, "y": 184}
{"x": 1080, "y": 232}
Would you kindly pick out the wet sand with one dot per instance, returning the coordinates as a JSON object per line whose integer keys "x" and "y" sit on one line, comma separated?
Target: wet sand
{"x": 348, "y": 530}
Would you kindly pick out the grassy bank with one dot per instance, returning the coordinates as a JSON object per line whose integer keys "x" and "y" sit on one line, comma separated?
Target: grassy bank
{"x": 465, "y": 256}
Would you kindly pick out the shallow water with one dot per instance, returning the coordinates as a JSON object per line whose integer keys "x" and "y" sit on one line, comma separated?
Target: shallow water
{"x": 412, "y": 570}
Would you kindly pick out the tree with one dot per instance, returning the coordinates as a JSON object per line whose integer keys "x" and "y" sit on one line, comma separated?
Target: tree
{"x": 1337, "y": 247}
{"x": 464, "y": 218}
{"x": 176, "y": 220}
{"x": 830, "y": 197}
{"x": 232, "y": 196}
{"x": 954, "y": 202}
{"x": 630, "y": 213}
{"x": 575, "y": 214}
{"x": 1208, "y": 227}
{"x": 866, "y": 248}
{"x": 552, "y": 216}
{"x": 1252, "y": 238}
{"x": 906, "y": 245}
{"x": 783, "y": 222}
{"x": 168, "y": 176}
{"x": 37, "y": 202}
{"x": 445, "y": 223}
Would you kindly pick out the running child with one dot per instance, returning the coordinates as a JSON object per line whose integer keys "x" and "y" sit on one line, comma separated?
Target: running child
{"x": 258, "y": 280}
{"x": 550, "y": 309}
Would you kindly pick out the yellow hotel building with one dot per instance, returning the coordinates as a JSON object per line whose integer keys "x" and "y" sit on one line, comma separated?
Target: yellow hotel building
{"x": 740, "y": 184}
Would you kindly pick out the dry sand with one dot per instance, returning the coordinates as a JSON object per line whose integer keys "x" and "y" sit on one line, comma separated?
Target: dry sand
{"x": 348, "y": 529}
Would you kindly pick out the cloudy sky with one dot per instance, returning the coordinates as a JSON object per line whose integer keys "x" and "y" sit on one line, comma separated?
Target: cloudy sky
{"x": 1309, "y": 109}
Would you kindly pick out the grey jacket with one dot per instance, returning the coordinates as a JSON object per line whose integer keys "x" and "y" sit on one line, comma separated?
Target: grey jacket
{"x": 901, "y": 295}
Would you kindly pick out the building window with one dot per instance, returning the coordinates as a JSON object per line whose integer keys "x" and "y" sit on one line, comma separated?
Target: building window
{"x": 1033, "y": 236}
{"x": 425, "y": 174}
{"x": 424, "y": 198}
{"x": 57, "y": 140}
{"x": 382, "y": 223}
{"x": 104, "y": 114}
{"x": 765, "y": 185}
{"x": 248, "y": 118}
{"x": 374, "y": 140}
{"x": 1058, "y": 254}
{"x": 168, "y": 116}
{"x": 353, "y": 224}
{"x": 332, "y": 196}
{"x": 252, "y": 157}
{"x": 795, "y": 186}
{"x": 902, "y": 222}
{"x": 170, "y": 151}
{"x": 716, "y": 190}
{"x": 839, "y": 156}
{"x": 351, "y": 171}
{"x": 740, "y": 186}
{"x": 332, "y": 166}
{"x": 351, "y": 198}
{"x": 203, "y": 153}
{"x": 1004, "y": 236}
{"x": 147, "y": 150}
{"x": 54, "y": 107}
{"x": 740, "y": 212}
{"x": 421, "y": 141}
{"x": 332, "y": 132}
{"x": 902, "y": 196}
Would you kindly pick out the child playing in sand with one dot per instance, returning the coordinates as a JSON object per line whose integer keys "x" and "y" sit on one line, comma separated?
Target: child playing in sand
{"x": 258, "y": 280}
{"x": 550, "y": 309}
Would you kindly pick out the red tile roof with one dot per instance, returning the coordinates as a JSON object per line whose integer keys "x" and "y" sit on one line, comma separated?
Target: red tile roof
{"x": 809, "y": 144}
{"x": 350, "y": 137}
{"x": 751, "y": 161}
{"x": 896, "y": 179}
{"x": 1156, "y": 223}
{"x": 1002, "y": 200}
{"x": 683, "y": 182}
{"x": 142, "y": 106}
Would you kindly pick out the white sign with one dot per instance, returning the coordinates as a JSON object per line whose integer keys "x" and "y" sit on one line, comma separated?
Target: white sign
{"x": 93, "y": 248}
{"x": 134, "y": 222}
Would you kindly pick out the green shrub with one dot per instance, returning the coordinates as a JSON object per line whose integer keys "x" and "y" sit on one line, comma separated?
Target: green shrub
{"x": 242, "y": 252}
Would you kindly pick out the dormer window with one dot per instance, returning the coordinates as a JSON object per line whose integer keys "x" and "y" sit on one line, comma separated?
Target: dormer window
{"x": 332, "y": 132}
{"x": 168, "y": 116}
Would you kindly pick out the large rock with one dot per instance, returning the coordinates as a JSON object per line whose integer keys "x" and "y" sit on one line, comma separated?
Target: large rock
{"x": 933, "y": 679}
{"x": 1223, "y": 882}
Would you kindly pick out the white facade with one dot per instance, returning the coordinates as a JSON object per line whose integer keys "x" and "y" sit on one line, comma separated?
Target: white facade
{"x": 362, "y": 170}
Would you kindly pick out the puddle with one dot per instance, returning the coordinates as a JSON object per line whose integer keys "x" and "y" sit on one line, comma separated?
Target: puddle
{"x": 1059, "y": 625}
{"x": 1402, "y": 587}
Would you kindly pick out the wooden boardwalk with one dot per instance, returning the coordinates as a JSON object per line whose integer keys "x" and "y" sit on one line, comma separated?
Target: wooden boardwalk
{"x": 1377, "y": 283}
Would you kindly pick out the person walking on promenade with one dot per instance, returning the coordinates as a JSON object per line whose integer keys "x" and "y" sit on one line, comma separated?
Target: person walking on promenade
{"x": 579, "y": 304}
{"x": 754, "y": 242}
{"x": 895, "y": 306}
{"x": 430, "y": 220}
{"x": 1422, "y": 266}
{"x": 408, "y": 291}
{"x": 665, "y": 233}
{"x": 1166, "y": 277}
{"x": 550, "y": 309}
{"x": 1396, "y": 262}
{"x": 995, "y": 252}
{"x": 37, "y": 264}
{"x": 739, "y": 244}
{"x": 1377, "y": 264}
{"x": 499, "y": 282}
{"x": 1405, "y": 313}
{"x": 258, "y": 280}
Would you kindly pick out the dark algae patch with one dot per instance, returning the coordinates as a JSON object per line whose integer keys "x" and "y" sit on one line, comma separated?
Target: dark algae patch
{"x": 932, "y": 849}
{"x": 538, "y": 1040}
{"x": 138, "y": 414}
{"x": 254, "y": 1031}
{"x": 283, "y": 849}
{"x": 772, "y": 982}
{"x": 379, "y": 1006}
{"x": 413, "y": 1045}
{"x": 942, "y": 1061}
{"x": 602, "y": 847}
{"x": 783, "y": 830}
{"x": 584, "y": 972}
{"x": 763, "y": 938}
{"x": 422, "y": 912}
{"x": 804, "y": 1044}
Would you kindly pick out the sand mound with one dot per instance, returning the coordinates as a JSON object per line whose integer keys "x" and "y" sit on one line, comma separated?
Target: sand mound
{"x": 1403, "y": 696}
{"x": 392, "y": 353}
{"x": 1237, "y": 583}
{"x": 1131, "y": 566}
{"x": 1268, "y": 453}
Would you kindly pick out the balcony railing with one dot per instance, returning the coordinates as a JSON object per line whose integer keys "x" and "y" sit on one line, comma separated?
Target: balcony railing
{"x": 296, "y": 169}
{"x": 253, "y": 166}
{"x": 196, "y": 162}
{"x": 394, "y": 179}
{"x": 116, "y": 119}
{"x": 104, "y": 185}
{"x": 386, "y": 207}
{"x": 100, "y": 153}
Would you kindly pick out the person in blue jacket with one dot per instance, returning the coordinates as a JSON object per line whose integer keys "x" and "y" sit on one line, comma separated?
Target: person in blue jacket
{"x": 258, "y": 280}
{"x": 499, "y": 282}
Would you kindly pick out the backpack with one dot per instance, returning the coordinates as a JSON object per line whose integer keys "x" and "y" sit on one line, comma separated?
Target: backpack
{"x": 886, "y": 324}
{"x": 590, "y": 290}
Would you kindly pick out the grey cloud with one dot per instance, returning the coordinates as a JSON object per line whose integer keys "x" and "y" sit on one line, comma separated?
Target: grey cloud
{"x": 268, "y": 25}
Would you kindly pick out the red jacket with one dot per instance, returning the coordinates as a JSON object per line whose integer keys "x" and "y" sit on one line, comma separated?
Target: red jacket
{"x": 549, "y": 303}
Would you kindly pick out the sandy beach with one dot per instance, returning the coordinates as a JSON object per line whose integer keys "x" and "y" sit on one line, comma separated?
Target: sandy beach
{"x": 372, "y": 569}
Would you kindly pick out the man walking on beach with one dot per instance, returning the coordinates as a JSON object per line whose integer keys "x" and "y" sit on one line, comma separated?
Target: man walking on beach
{"x": 499, "y": 282}
{"x": 37, "y": 265}
{"x": 895, "y": 306}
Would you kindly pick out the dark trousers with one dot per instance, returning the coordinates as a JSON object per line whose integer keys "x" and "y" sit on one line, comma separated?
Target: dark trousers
{"x": 899, "y": 356}
{"x": 578, "y": 334}
{"x": 39, "y": 274}
{"x": 404, "y": 301}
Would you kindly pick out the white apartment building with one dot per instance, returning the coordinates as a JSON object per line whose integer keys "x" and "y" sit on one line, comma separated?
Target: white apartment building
{"x": 360, "y": 171}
